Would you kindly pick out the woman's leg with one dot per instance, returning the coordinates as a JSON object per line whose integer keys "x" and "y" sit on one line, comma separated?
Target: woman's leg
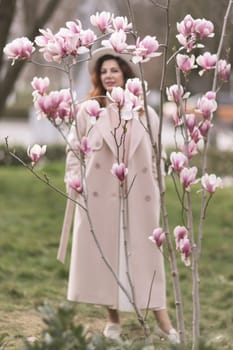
{"x": 113, "y": 315}
{"x": 112, "y": 329}
{"x": 165, "y": 327}
{"x": 163, "y": 320}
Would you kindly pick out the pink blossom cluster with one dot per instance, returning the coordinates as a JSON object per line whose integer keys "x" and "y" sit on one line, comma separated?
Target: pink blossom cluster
{"x": 106, "y": 22}
{"x": 129, "y": 100}
{"x": 142, "y": 51}
{"x": 196, "y": 129}
{"x": 55, "y": 105}
{"x": 187, "y": 175}
{"x": 190, "y": 32}
{"x": 183, "y": 243}
{"x": 207, "y": 62}
{"x": 20, "y": 48}
{"x": 118, "y": 28}
{"x": 71, "y": 40}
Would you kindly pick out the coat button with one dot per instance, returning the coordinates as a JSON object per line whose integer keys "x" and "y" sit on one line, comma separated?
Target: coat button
{"x": 95, "y": 194}
{"x": 144, "y": 170}
{"x": 97, "y": 165}
{"x": 147, "y": 198}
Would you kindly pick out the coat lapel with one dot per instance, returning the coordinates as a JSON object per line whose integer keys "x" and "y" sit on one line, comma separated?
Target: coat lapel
{"x": 105, "y": 128}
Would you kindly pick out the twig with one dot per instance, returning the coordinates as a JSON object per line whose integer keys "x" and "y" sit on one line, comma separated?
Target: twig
{"x": 149, "y": 297}
{"x": 173, "y": 264}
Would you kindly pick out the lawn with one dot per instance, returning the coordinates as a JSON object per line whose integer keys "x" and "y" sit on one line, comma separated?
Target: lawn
{"x": 30, "y": 225}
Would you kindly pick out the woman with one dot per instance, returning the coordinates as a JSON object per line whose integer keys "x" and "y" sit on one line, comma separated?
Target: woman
{"x": 90, "y": 281}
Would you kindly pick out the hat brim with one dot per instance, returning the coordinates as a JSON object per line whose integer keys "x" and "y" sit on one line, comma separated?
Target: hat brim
{"x": 98, "y": 53}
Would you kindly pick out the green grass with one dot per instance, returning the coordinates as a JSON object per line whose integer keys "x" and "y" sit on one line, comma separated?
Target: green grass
{"x": 30, "y": 225}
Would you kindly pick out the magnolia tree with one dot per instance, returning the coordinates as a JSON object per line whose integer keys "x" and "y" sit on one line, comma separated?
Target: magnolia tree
{"x": 72, "y": 44}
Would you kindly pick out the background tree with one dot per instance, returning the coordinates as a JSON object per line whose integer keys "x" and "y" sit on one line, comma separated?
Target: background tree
{"x": 9, "y": 74}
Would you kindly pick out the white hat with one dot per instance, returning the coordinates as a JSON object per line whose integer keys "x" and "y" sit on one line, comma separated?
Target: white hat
{"x": 109, "y": 51}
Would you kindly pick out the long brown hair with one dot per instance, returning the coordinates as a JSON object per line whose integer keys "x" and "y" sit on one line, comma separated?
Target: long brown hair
{"x": 98, "y": 90}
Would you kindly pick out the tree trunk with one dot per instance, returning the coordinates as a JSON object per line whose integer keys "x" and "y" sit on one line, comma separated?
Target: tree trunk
{"x": 7, "y": 10}
{"x": 12, "y": 73}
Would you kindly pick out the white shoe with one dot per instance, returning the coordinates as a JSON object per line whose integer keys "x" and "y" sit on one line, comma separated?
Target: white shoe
{"x": 172, "y": 336}
{"x": 112, "y": 330}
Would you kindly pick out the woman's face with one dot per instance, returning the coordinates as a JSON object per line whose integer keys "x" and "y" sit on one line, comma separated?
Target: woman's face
{"x": 111, "y": 75}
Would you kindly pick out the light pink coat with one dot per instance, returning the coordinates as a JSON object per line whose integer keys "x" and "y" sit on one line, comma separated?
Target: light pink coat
{"x": 90, "y": 281}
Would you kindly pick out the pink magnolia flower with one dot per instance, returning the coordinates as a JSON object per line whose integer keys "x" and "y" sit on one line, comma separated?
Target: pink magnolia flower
{"x": 196, "y": 134}
{"x": 206, "y": 61}
{"x": 146, "y": 49}
{"x": 76, "y": 184}
{"x": 117, "y": 95}
{"x": 93, "y": 109}
{"x": 207, "y": 105}
{"x": 87, "y": 38}
{"x": 74, "y": 26}
{"x": 186, "y": 27}
{"x": 158, "y": 236}
{"x": 211, "y": 95}
{"x": 190, "y": 121}
{"x": 134, "y": 85}
{"x": 224, "y": 70}
{"x": 48, "y": 45}
{"x": 57, "y": 104}
{"x": 178, "y": 161}
{"x": 132, "y": 105}
{"x": 203, "y": 28}
{"x": 102, "y": 21}
{"x": 48, "y": 104}
{"x": 117, "y": 41}
{"x": 204, "y": 127}
{"x": 188, "y": 177}
{"x": 189, "y": 43}
{"x": 192, "y": 149}
{"x": 185, "y": 249}
{"x": 70, "y": 41}
{"x": 42, "y": 40}
{"x": 180, "y": 232}
{"x": 121, "y": 23}
{"x": 175, "y": 93}
{"x": 177, "y": 120}
{"x": 84, "y": 145}
{"x": 20, "y": 48}
{"x": 36, "y": 152}
{"x": 211, "y": 182}
{"x": 185, "y": 62}
{"x": 40, "y": 84}
{"x": 120, "y": 171}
